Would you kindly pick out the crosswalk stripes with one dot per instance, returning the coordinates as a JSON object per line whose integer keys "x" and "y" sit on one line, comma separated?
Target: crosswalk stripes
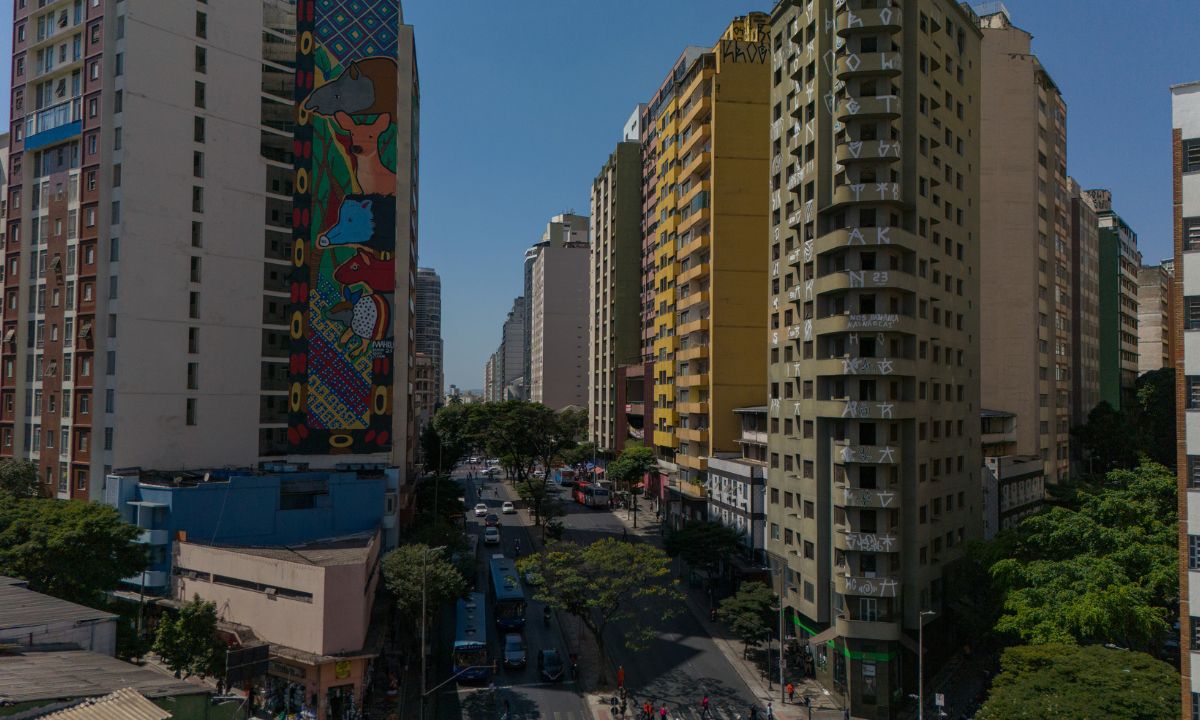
{"x": 681, "y": 713}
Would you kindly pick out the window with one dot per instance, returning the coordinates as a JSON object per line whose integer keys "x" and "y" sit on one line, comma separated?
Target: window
{"x": 201, "y": 60}
{"x": 1194, "y": 623}
{"x": 85, "y": 403}
{"x": 1191, "y": 233}
{"x": 1191, "y": 155}
{"x": 1193, "y": 472}
{"x": 199, "y": 94}
{"x": 1193, "y": 393}
{"x": 201, "y": 25}
{"x": 119, "y": 65}
{"x": 198, "y": 130}
{"x": 1191, "y": 312}
{"x": 1193, "y": 552}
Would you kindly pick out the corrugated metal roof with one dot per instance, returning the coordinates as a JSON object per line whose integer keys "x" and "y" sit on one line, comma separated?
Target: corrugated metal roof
{"x": 29, "y": 676}
{"x": 124, "y": 704}
{"x": 21, "y": 607}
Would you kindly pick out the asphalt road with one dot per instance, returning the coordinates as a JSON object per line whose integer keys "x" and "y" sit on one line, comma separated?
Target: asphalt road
{"x": 528, "y": 696}
{"x": 683, "y": 664}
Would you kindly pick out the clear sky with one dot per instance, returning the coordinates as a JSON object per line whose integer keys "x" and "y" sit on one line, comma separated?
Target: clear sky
{"x": 522, "y": 102}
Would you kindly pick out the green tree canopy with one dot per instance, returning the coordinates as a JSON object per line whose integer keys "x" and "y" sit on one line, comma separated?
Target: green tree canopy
{"x": 439, "y": 499}
{"x": 608, "y": 583}
{"x": 1107, "y": 440}
{"x": 19, "y": 478}
{"x": 451, "y": 435}
{"x": 188, "y": 643}
{"x": 749, "y": 613}
{"x": 1154, "y": 415}
{"x": 1105, "y": 572}
{"x": 704, "y": 545}
{"x": 76, "y": 551}
{"x": 410, "y": 569}
{"x": 1082, "y": 683}
{"x": 634, "y": 462}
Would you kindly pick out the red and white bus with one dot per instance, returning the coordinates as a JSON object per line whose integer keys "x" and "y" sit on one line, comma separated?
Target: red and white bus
{"x": 590, "y": 495}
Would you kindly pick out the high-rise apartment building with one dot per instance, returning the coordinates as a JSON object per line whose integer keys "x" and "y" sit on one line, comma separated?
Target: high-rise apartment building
{"x": 1085, "y": 305}
{"x": 615, "y": 267}
{"x": 564, "y": 230}
{"x": 508, "y": 373}
{"x": 1185, "y": 324}
{"x": 709, "y": 274}
{"x": 153, "y": 141}
{"x": 1155, "y": 287}
{"x": 873, "y": 449}
{"x": 1024, "y": 245}
{"x": 490, "y": 394}
{"x": 558, "y": 349}
{"x": 428, "y": 337}
{"x": 1118, "y": 274}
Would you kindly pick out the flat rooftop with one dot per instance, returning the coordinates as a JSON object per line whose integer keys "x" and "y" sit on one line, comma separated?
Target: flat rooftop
{"x": 350, "y": 550}
{"x": 21, "y": 607}
{"x": 33, "y": 676}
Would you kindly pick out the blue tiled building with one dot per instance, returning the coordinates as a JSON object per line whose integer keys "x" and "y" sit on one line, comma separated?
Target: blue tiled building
{"x": 249, "y": 507}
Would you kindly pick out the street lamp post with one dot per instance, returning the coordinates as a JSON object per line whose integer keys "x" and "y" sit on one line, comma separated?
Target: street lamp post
{"x": 921, "y": 663}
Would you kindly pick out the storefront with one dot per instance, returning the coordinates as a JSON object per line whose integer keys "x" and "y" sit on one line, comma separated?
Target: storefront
{"x": 327, "y": 688}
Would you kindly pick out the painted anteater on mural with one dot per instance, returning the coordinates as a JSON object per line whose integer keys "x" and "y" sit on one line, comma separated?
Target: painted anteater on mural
{"x": 366, "y": 87}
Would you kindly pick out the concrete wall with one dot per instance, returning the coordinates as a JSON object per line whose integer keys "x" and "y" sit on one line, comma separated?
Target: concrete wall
{"x": 558, "y": 338}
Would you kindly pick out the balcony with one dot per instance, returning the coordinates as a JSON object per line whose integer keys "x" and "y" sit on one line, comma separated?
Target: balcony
{"x": 665, "y": 438}
{"x": 54, "y": 124}
{"x": 635, "y": 408}
{"x": 693, "y": 380}
{"x": 694, "y": 352}
{"x": 880, "y": 630}
{"x": 697, "y": 216}
{"x": 848, "y": 365}
{"x": 700, "y": 135}
{"x": 692, "y": 462}
{"x": 866, "y": 542}
{"x": 853, "y": 322}
{"x": 699, "y": 435}
{"x": 884, "y": 587}
{"x": 697, "y": 109}
{"x": 873, "y": 192}
{"x": 845, "y": 452}
{"x": 864, "y": 279}
{"x": 879, "y": 107}
{"x": 846, "y": 496}
{"x": 868, "y": 151}
{"x": 695, "y": 272}
{"x": 853, "y": 65}
{"x": 864, "y": 409}
{"x": 692, "y": 408}
{"x": 691, "y": 300}
{"x": 866, "y": 236}
{"x": 867, "y": 20}
{"x": 700, "y": 242}
{"x": 691, "y": 326}
{"x": 699, "y": 161}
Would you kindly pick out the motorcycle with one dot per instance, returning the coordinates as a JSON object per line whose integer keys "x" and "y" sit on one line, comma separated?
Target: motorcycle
{"x": 546, "y": 616}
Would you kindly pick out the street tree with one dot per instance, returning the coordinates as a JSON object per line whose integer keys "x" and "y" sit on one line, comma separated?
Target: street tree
{"x": 413, "y": 570}
{"x": 748, "y": 613}
{"x": 19, "y": 478}
{"x": 455, "y": 431}
{"x": 579, "y": 456}
{"x": 1154, "y": 415}
{"x": 77, "y": 551}
{"x": 631, "y": 466}
{"x": 188, "y": 643}
{"x": 1091, "y": 682}
{"x": 1105, "y": 571}
{"x": 439, "y": 499}
{"x": 704, "y": 545}
{"x": 508, "y": 430}
{"x": 608, "y": 583}
{"x": 555, "y": 433}
{"x": 1107, "y": 441}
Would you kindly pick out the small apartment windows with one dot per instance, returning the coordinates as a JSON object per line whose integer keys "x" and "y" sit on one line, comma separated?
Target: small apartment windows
{"x": 119, "y": 65}
{"x": 1192, "y": 399}
{"x": 93, "y": 107}
{"x": 201, "y": 25}
{"x": 198, "y": 129}
{"x": 197, "y": 199}
{"x": 1193, "y": 552}
{"x": 197, "y": 233}
{"x": 199, "y": 98}
{"x": 117, "y": 135}
{"x": 197, "y": 164}
{"x": 201, "y": 60}
{"x": 1191, "y": 155}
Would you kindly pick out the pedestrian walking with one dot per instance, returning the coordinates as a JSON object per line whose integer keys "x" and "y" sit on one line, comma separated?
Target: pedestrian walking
{"x": 753, "y": 712}
{"x": 770, "y": 711}
{"x": 662, "y": 712}
{"x": 647, "y": 711}
{"x": 791, "y": 692}
{"x": 704, "y": 707}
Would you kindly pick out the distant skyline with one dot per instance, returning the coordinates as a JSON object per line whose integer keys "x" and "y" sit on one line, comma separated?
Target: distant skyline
{"x": 523, "y": 102}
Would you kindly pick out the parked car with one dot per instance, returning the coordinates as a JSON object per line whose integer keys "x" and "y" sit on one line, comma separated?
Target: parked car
{"x": 492, "y": 520}
{"x": 550, "y": 665}
{"x": 514, "y": 651}
{"x": 508, "y": 508}
{"x": 491, "y": 536}
{"x": 481, "y": 510}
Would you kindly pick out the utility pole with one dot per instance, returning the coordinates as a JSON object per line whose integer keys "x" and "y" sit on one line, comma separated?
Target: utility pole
{"x": 921, "y": 663}
{"x": 782, "y": 693}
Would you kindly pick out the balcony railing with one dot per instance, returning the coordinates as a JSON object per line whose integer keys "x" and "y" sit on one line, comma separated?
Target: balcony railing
{"x": 55, "y": 116}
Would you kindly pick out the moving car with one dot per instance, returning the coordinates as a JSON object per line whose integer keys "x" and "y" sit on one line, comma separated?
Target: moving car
{"x": 481, "y": 510}
{"x": 508, "y": 508}
{"x": 514, "y": 651}
{"x": 492, "y": 520}
{"x": 491, "y": 536}
{"x": 550, "y": 665}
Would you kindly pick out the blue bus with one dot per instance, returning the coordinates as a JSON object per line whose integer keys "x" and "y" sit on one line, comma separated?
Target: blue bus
{"x": 508, "y": 597}
{"x": 470, "y": 656}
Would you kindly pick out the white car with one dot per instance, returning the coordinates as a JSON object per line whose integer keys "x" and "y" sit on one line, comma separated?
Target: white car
{"x": 491, "y": 536}
{"x": 508, "y": 508}
{"x": 481, "y": 510}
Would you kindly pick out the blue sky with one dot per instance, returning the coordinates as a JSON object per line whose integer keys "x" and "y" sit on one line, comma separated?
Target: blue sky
{"x": 522, "y": 102}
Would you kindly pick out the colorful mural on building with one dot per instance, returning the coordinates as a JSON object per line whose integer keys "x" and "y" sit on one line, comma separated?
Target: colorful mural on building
{"x": 344, "y": 220}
